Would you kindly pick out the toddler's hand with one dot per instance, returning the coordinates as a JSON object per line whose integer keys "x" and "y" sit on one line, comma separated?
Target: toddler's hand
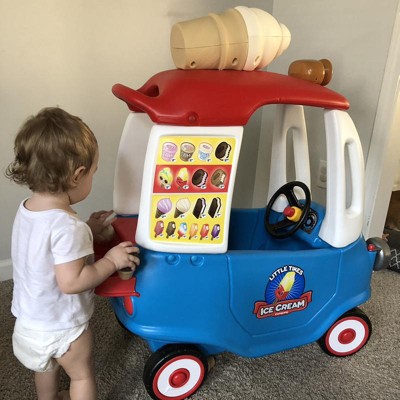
{"x": 100, "y": 224}
{"x": 124, "y": 255}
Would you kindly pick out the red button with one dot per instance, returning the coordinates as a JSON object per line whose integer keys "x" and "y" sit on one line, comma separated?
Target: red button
{"x": 288, "y": 211}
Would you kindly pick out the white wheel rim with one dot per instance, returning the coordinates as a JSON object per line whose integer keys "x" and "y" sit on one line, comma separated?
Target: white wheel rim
{"x": 163, "y": 381}
{"x": 337, "y": 345}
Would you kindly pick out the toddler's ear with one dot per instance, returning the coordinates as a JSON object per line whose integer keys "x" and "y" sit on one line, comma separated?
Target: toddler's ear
{"x": 79, "y": 172}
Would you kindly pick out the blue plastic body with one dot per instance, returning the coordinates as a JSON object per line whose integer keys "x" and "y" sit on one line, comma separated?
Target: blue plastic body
{"x": 228, "y": 302}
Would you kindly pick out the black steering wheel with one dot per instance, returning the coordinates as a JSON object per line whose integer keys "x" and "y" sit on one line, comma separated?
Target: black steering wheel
{"x": 294, "y": 215}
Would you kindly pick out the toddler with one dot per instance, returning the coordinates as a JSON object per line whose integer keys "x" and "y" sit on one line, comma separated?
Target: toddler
{"x": 54, "y": 272}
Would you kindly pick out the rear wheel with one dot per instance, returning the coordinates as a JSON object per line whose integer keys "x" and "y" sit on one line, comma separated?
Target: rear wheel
{"x": 175, "y": 372}
{"x": 349, "y": 334}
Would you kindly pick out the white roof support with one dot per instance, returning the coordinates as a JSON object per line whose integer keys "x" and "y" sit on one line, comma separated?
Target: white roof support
{"x": 345, "y": 181}
{"x": 288, "y": 117}
{"x": 130, "y": 163}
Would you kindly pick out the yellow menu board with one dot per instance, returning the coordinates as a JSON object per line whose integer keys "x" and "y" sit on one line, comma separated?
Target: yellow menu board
{"x": 190, "y": 189}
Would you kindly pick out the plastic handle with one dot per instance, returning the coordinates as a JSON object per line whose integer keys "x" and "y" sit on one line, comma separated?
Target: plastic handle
{"x": 136, "y": 101}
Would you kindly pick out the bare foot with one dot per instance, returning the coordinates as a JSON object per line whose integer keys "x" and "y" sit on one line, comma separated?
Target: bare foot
{"x": 64, "y": 395}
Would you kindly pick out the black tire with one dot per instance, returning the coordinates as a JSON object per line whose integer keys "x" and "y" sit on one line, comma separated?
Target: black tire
{"x": 175, "y": 371}
{"x": 349, "y": 334}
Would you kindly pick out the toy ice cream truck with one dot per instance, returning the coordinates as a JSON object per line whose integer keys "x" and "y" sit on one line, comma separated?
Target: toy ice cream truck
{"x": 248, "y": 281}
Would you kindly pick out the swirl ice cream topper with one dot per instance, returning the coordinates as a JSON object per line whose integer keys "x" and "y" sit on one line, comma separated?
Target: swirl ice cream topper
{"x": 239, "y": 38}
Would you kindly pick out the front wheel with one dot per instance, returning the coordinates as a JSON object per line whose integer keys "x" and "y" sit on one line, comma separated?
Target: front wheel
{"x": 174, "y": 372}
{"x": 349, "y": 334}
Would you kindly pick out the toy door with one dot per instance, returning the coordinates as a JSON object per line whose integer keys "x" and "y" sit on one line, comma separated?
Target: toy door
{"x": 274, "y": 291}
{"x": 187, "y": 188}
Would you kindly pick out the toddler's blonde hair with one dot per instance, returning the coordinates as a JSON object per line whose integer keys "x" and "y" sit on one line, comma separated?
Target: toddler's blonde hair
{"x": 49, "y": 148}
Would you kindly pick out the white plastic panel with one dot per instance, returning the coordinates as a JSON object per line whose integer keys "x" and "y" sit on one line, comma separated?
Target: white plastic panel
{"x": 130, "y": 162}
{"x": 175, "y": 207}
{"x": 343, "y": 222}
{"x": 288, "y": 117}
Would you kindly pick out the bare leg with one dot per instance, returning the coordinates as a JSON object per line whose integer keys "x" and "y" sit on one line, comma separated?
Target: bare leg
{"x": 64, "y": 395}
{"x": 78, "y": 364}
{"x": 47, "y": 384}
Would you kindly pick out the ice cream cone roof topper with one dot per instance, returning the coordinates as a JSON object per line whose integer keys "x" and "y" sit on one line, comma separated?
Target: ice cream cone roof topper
{"x": 240, "y": 38}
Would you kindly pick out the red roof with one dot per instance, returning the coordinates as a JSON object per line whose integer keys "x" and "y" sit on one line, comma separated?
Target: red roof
{"x": 221, "y": 98}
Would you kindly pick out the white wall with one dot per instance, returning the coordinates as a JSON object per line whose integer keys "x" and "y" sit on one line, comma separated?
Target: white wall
{"x": 355, "y": 35}
{"x": 70, "y": 53}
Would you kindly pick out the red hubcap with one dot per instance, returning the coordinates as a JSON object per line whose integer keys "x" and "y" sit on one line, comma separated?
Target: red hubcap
{"x": 347, "y": 336}
{"x": 179, "y": 378}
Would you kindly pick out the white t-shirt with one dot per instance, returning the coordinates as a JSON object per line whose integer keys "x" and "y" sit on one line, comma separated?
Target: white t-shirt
{"x": 40, "y": 241}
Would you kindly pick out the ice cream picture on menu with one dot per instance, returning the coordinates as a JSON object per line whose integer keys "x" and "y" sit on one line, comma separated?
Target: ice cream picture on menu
{"x": 190, "y": 189}
{"x": 165, "y": 178}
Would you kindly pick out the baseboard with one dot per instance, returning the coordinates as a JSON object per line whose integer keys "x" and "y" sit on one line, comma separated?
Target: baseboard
{"x": 5, "y": 270}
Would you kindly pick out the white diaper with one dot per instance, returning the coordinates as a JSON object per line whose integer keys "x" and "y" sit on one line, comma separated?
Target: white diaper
{"x": 37, "y": 350}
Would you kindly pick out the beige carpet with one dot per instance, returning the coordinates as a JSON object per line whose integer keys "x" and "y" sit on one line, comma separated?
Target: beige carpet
{"x": 299, "y": 374}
